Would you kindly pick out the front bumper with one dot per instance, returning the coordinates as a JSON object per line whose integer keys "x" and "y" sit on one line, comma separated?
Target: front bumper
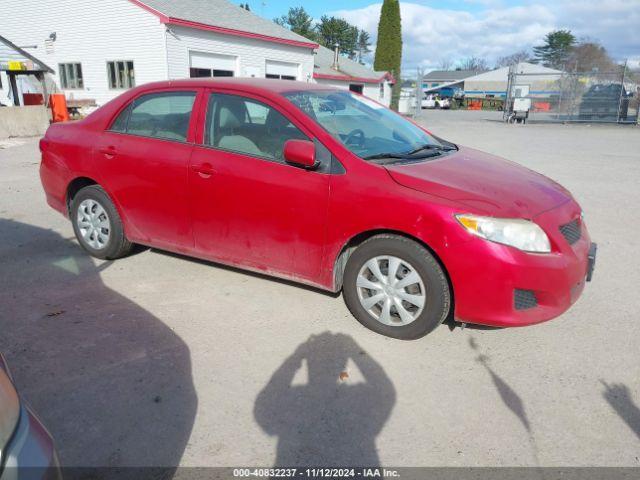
{"x": 30, "y": 454}
{"x": 486, "y": 275}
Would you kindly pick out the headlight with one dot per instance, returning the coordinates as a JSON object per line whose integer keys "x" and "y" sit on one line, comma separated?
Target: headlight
{"x": 9, "y": 410}
{"x": 522, "y": 234}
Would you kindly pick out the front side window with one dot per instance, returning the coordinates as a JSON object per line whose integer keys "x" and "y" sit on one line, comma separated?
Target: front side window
{"x": 363, "y": 126}
{"x": 246, "y": 126}
{"x": 121, "y": 74}
{"x": 163, "y": 115}
{"x": 70, "y": 75}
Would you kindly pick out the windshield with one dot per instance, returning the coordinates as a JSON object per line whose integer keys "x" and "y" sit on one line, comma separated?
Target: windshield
{"x": 366, "y": 128}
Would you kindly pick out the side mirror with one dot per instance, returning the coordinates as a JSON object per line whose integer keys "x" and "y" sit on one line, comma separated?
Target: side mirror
{"x": 301, "y": 153}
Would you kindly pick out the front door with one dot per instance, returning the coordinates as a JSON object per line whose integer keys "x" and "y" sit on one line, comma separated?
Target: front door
{"x": 143, "y": 160}
{"x": 249, "y": 207}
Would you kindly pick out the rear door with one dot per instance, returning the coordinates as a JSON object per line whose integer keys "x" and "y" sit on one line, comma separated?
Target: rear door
{"x": 143, "y": 159}
{"x": 250, "y": 207}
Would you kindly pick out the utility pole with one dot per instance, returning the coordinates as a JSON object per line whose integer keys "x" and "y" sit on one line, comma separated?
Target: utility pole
{"x": 419, "y": 93}
{"x": 622, "y": 90}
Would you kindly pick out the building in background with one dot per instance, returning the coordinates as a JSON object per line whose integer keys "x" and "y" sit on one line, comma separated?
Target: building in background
{"x": 437, "y": 78}
{"x": 334, "y": 70}
{"x": 99, "y": 49}
{"x": 493, "y": 84}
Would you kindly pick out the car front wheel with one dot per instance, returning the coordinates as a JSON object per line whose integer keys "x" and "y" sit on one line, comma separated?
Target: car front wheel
{"x": 97, "y": 224}
{"x": 395, "y": 287}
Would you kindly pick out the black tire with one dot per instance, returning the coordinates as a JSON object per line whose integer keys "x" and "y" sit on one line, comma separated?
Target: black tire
{"x": 437, "y": 289}
{"x": 117, "y": 245}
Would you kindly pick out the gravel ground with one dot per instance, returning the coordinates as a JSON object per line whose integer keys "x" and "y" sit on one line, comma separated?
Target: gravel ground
{"x": 157, "y": 359}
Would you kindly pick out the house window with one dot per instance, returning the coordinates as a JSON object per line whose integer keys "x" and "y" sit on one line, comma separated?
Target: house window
{"x": 209, "y": 72}
{"x": 280, "y": 77}
{"x": 70, "y": 75}
{"x": 381, "y": 90}
{"x": 356, "y": 88}
{"x": 121, "y": 74}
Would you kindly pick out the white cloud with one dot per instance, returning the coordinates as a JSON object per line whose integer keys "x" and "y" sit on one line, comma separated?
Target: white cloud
{"x": 432, "y": 34}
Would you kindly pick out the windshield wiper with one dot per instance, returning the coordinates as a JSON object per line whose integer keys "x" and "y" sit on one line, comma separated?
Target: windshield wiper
{"x": 385, "y": 155}
{"x": 433, "y": 149}
{"x": 431, "y": 146}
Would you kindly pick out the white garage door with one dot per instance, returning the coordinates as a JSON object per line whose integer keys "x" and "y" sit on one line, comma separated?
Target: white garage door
{"x": 212, "y": 65}
{"x": 283, "y": 70}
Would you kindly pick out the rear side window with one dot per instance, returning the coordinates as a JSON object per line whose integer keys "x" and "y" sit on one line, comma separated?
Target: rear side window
{"x": 163, "y": 115}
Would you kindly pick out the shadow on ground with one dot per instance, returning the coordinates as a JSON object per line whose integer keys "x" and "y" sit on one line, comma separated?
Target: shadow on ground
{"x": 619, "y": 397}
{"x": 326, "y": 419}
{"x": 111, "y": 381}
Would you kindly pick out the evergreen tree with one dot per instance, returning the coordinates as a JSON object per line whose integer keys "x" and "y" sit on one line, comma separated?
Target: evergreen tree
{"x": 364, "y": 42}
{"x": 389, "y": 45}
{"x": 245, "y": 6}
{"x": 299, "y": 21}
{"x": 557, "y": 48}
{"x": 333, "y": 30}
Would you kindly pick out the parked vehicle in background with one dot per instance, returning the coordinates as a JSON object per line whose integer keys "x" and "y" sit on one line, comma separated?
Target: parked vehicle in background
{"x": 26, "y": 448}
{"x": 431, "y": 101}
{"x": 451, "y": 93}
{"x": 323, "y": 187}
{"x": 604, "y": 101}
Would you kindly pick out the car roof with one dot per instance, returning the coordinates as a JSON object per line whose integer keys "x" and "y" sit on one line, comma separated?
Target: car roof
{"x": 250, "y": 85}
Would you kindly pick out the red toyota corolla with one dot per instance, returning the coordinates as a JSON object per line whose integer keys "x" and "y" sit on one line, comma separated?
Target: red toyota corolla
{"x": 323, "y": 187}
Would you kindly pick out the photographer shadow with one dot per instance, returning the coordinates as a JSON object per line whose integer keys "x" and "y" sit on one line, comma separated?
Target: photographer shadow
{"x": 332, "y": 419}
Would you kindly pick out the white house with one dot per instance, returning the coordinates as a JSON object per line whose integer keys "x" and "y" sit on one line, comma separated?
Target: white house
{"x": 337, "y": 71}
{"x": 98, "y": 49}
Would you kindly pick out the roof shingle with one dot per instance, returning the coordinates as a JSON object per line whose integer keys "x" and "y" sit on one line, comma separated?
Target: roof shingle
{"x": 224, "y": 14}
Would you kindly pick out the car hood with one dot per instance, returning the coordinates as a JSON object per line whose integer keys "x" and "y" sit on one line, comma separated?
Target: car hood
{"x": 485, "y": 183}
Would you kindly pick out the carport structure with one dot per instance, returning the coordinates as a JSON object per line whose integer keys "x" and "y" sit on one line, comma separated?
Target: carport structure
{"x": 16, "y": 61}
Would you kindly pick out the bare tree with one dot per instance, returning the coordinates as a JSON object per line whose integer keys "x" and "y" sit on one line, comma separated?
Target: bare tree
{"x": 513, "y": 59}
{"x": 474, "y": 63}
{"x": 445, "y": 64}
{"x": 590, "y": 56}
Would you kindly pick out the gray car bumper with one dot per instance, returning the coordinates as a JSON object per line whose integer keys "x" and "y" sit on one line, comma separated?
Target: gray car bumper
{"x": 30, "y": 454}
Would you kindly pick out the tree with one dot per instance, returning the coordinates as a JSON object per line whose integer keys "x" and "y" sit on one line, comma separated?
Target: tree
{"x": 332, "y": 31}
{"x": 513, "y": 59}
{"x": 389, "y": 46}
{"x": 245, "y": 6}
{"x": 555, "y": 51}
{"x": 445, "y": 64}
{"x": 364, "y": 42}
{"x": 590, "y": 56}
{"x": 474, "y": 63}
{"x": 299, "y": 21}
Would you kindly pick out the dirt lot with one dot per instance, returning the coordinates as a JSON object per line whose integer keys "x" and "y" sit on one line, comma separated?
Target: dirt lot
{"x": 158, "y": 359}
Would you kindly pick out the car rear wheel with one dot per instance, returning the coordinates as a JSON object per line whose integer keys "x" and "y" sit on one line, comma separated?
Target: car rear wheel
{"x": 97, "y": 224}
{"x": 395, "y": 287}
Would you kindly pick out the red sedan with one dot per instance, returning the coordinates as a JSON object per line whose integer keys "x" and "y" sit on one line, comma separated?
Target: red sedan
{"x": 324, "y": 187}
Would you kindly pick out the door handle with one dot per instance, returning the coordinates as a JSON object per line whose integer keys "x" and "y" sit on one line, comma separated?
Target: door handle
{"x": 108, "y": 152}
{"x": 205, "y": 170}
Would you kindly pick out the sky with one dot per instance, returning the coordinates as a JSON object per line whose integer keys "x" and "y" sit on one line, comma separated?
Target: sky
{"x": 436, "y": 30}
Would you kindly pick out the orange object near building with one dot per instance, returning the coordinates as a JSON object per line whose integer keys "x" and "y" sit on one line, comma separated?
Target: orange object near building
{"x": 59, "y": 107}
{"x": 542, "y": 107}
{"x": 475, "y": 105}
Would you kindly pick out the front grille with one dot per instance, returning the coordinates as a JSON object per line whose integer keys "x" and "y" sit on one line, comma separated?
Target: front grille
{"x": 571, "y": 231}
{"x": 524, "y": 299}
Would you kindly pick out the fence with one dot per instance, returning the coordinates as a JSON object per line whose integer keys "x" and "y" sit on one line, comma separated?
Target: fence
{"x": 610, "y": 97}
